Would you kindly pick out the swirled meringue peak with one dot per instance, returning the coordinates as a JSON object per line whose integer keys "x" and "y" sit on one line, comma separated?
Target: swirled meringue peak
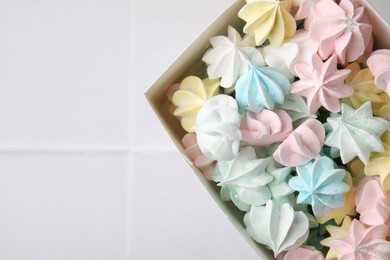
{"x": 372, "y": 203}
{"x": 302, "y": 145}
{"x": 204, "y": 164}
{"x": 362, "y": 82}
{"x": 320, "y": 185}
{"x": 302, "y": 253}
{"x": 268, "y": 19}
{"x": 322, "y": 84}
{"x": 298, "y": 49}
{"x": 218, "y": 128}
{"x": 342, "y": 30}
{"x": 261, "y": 88}
{"x": 363, "y": 243}
{"x": 277, "y": 226}
{"x": 191, "y": 96}
{"x": 265, "y": 127}
{"x": 379, "y": 163}
{"x": 227, "y": 59}
{"x": 379, "y": 64}
{"x": 244, "y": 180}
{"x": 356, "y": 132}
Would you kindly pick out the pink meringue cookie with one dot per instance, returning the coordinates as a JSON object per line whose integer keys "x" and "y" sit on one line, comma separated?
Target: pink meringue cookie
{"x": 307, "y": 10}
{"x": 372, "y": 202}
{"x": 301, "y": 253}
{"x": 204, "y": 164}
{"x": 379, "y": 64}
{"x": 322, "y": 84}
{"x": 363, "y": 243}
{"x": 265, "y": 127}
{"x": 302, "y": 145}
{"x": 342, "y": 30}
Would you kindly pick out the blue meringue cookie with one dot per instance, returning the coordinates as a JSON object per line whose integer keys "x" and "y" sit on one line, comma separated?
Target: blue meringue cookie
{"x": 244, "y": 179}
{"x": 320, "y": 185}
{"x": 261, "y": 88}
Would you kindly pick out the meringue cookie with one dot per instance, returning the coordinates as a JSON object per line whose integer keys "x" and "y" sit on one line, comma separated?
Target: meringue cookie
{"x": 362, "y": 82}
{"x": 379, "y": 64}
{"x": 349, "y": 207}
{"x": 302, "y": 145}
{"x": 277, "y": 226}
{"x": 303, "y": 253}
{"x": 379, "y": 163}
{"x": 279, "y": 188}
{"x": 218, "y": 128}
{"x": 296, "y": 107}
{"x": 268, "y": 19}
{"x": 265, "y": 127}
{"x": 298, "y": 49}
{"x": 227, "y": 59}
{"x": 307, "y": 10}
{"x": 372, "y": 203}
{"x": 363, "y": 243}
{"x": 191, "y": 96}
{"x": 342, "y": 30}
{"x": 204, "y": 164}
{"x": 335, "y": 233}
{"x": 261, "y": 88}
{"x": 356, "y": 168}
{"x": 244, "y": 180}
{"x": 320, "y": 185}
{"x": 356, "y": 132}
{"x": 322, "y": 84}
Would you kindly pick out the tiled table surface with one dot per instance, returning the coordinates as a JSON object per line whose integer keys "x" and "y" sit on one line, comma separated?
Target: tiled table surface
{"x": 86, "y": 170}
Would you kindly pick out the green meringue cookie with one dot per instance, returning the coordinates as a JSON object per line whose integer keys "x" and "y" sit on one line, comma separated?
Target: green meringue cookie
{"x": 244, "y": 179}
{"x": 277, "y": 226}
{"x": 356, "y": 132}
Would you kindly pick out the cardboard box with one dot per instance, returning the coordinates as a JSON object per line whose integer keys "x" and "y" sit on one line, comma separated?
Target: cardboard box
{"x": 190, "y": 63}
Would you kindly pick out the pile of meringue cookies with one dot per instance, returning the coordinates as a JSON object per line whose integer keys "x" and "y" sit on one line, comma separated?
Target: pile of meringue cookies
{"x": 292, "y": 123}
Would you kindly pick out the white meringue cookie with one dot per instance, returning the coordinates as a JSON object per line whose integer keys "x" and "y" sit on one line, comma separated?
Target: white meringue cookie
{"x": 218, "y": 128}
{"x": 277, "y": 226}
{"x": 298, "y": 49}
{"x": 227, "y": 59}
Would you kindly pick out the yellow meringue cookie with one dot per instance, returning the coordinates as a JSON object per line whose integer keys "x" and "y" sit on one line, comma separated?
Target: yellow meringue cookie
{"x": 268, "y": 19}
{"x": 365, "y": 90}
{"x": 190, "y": 98}
{"x": 356, "y": 168}
{"x": 348, "y": 209}
{"x": 379, "y": 163}
{"x": 336, "y": 232}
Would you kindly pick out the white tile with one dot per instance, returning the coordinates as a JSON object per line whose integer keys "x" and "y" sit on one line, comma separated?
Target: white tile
{"x": 63, "y": 207}
{"x": 164, "y": 29}
{"x": 64, "y": 72}
{"x": 175, "y": 218}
